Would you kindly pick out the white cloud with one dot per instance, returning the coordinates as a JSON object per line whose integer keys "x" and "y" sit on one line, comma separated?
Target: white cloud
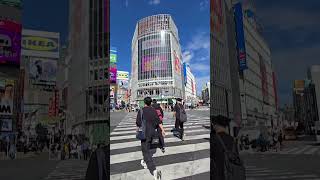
{"x": 200, "y": 67}
{"x": 199, "y": 41}
{"x": 154, "y": 2}
{"x": 204, "y": 5}
{"x": 187, "y": 56}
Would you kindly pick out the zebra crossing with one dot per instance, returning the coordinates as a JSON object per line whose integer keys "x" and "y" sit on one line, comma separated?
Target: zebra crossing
{"x": 69, "y": 170}
{"x": 258, "y": 173}
{"x": 293, "y": 150}
{"x": 182, "y": 160}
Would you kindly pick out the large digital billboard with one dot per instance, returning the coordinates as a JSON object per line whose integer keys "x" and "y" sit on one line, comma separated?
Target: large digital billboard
{"x": 40, "y": 44}
{"x": 154, "y": 63}
{"x": 113, "y": 75}
{"x": 152, "y": 43}
{"x": 6, "y": 96}
{"x": 43, "y": 71}
{"x": 177, "y": 63}
{"x": 242, "y": 59}
{"x": 10, "y": 42}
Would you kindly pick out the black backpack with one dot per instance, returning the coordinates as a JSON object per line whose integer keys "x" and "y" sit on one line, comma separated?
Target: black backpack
{"x": 183, "y": 114}
{"x": 233, "y": 166}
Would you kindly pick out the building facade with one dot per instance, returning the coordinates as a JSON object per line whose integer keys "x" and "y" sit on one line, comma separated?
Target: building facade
{"x": 314, "y": 74}
{"x": 88, "y": 75}
{"x": 40, "y": 56}
{"x": 11, "y": 77}
{"x": 156, "y": 60}
{"x": 189, "y": 86}
{"x": 205, "y": 94}
{"x": 258, "y": 98}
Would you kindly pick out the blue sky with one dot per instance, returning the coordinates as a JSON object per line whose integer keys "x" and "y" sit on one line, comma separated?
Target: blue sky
{"x": 291, "y": 29}
{"x": 191, "y": 18}
{"x": 46, "y": 15}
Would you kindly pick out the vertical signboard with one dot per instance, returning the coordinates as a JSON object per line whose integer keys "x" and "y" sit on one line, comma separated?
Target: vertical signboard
{"x": 113, "y": 75}
{"x": 185, "y": 73}
{"x": 216, "y": 19}
{"x": 113, "y": 55}
{"x": 240, "y": 37}
{"x": 10, "y": 42}
{"x": 177, "y": 63}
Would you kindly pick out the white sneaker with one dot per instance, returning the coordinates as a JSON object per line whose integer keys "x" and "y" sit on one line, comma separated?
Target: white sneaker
{"x": 143, "y": 164}
{"x": 157, "y": 174}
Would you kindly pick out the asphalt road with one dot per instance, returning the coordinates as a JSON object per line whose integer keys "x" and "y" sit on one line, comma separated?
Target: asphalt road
{"x": 298, "y": 160}
{"x": 116, "y": 118}
{"x": 36, "y": 168}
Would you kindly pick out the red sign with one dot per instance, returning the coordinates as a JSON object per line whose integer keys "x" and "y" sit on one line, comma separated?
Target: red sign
{"x": 177, "y": 63}
{"x": 216, "y": 19}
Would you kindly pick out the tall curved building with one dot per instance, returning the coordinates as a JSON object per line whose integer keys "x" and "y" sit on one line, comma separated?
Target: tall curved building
{"x": 156, "y": 61}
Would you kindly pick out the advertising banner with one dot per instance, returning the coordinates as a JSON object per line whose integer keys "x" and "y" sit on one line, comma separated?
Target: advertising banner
{"x": 122, "y": 75}
{"x": 177, "y": 63}
{"x": 152, "y": 43}
{"x": 155, "y": 62}
{"x": 10, "y": 42}
{"x": 185, "y": 73}
{"x": 123, "y": 84}
{"x": 216, "y": 19}
{"x": 113, "y": 75}
{"x": 43, "y": 71}
{"x": 6, "y": 97}
{"x": 113, "y": 55}
{"x": 40, "y": 43}
{"x": 240, "y": 37}
{"x": 6, "y": 124}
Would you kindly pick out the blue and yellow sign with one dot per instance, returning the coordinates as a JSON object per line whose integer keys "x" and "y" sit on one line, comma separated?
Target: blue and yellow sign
{"x": 40, "y": 44}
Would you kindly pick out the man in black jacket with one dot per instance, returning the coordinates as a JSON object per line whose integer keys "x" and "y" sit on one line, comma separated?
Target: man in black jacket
{"x": 219, "y": 126}
{"x": 152, "y": 121}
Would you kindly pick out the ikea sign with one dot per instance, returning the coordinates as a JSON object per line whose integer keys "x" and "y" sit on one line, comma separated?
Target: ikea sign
{"x": 40, "y": 43}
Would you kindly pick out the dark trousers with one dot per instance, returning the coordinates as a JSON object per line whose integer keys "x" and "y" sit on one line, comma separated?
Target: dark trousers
{"x": 85, "y": 154}
{"x": 179, "y": 128}
{"x": 161, "y": 138}
{"x": 147, "y": 154}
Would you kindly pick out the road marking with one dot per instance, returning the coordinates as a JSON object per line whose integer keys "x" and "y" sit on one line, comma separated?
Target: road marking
{"x": 132, "y": 156}
{"x": 167, "y": 140}
{"x": 312, "y": 150}
{"x": 299, "y": 151}
{"x": 171, "y": 171}
{"x": 133, "y": 127}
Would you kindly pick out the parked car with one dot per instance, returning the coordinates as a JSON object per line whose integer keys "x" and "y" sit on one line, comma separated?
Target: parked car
{"x": 290, "y": 134}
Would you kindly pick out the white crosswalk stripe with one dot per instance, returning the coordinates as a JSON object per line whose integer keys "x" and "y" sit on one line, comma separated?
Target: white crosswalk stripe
{"x": 69, "y": 170}
{"x": 182, "y": 159}
{"x": 294, "y": 150}
{"x": 256, "y": 173}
